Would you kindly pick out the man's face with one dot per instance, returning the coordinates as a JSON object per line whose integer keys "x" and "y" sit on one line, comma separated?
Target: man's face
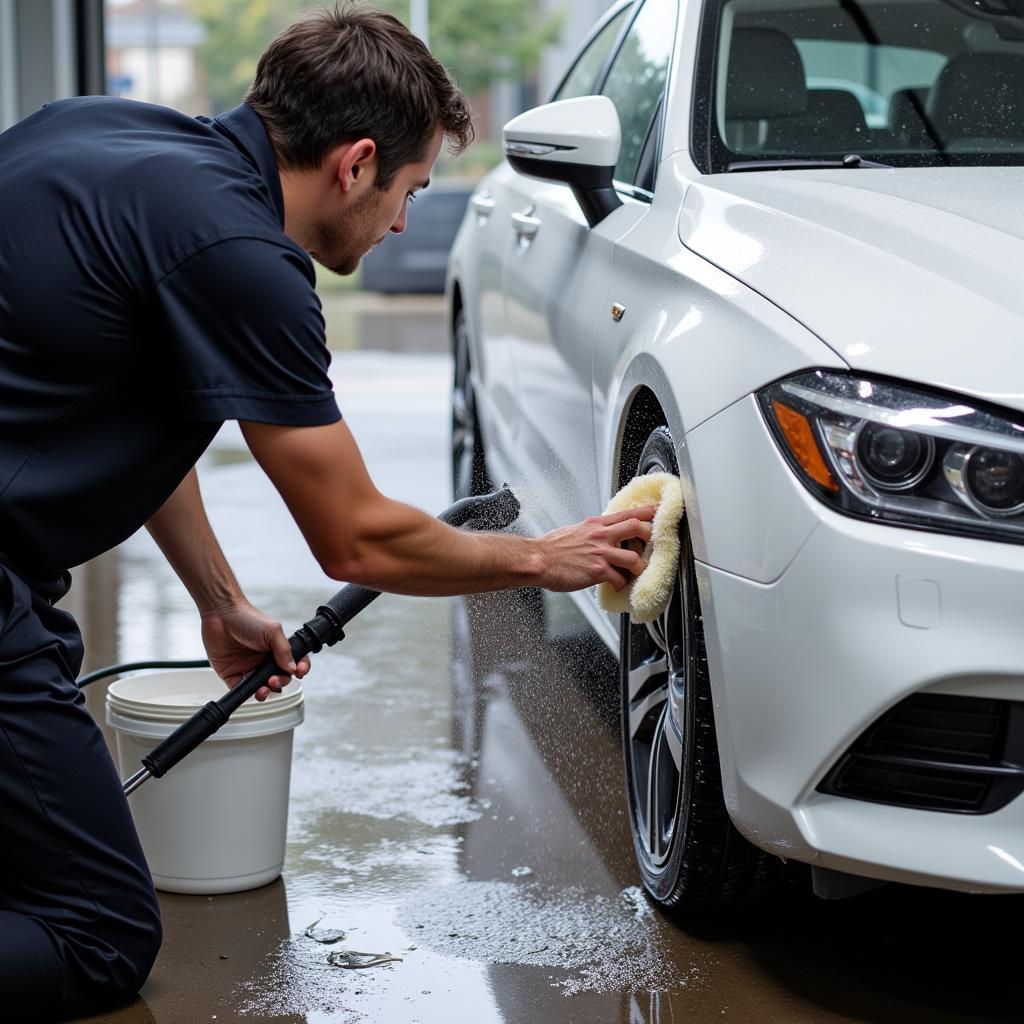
{"x": 346, "y": 237}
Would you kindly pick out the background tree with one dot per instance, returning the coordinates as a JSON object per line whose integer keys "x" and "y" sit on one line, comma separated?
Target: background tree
{"x": 236, "y": 33}
{"x": 479, "y": 43}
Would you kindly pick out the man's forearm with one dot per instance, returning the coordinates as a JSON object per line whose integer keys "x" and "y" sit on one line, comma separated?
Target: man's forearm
{"x": 404, "y": 550}
{"x": 360, "y": 536}
{"x": 183, "y": 533}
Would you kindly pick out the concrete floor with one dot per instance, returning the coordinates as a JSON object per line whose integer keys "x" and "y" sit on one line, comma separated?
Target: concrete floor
{"x": 457, "y": 797}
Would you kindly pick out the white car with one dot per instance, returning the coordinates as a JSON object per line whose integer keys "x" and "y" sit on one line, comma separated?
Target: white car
{"x": 691, "y": 261}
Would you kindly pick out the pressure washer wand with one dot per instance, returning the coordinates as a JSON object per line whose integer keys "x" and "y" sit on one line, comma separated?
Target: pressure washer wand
{"x": 495, "y": 511}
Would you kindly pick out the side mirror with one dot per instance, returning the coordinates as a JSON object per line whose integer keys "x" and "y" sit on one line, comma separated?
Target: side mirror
{"x": 574, "y": 142}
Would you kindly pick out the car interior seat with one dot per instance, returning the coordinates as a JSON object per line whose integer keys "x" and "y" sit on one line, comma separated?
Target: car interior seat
{"x": 765, "y": 82}
{"x": 977, "y": 103}
{"x": 907, "y": 118}
{"x": 834, "y": 121}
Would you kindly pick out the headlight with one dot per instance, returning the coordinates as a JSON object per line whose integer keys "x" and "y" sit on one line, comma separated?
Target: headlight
{"x": 892, "y": 454}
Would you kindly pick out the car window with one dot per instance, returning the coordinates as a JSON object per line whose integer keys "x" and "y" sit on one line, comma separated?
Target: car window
{"x": 901, "y": 82}
{"x": 583, "y": 77}
{"x": 647, "y": 165}
{"x": 871, "y": 73}
{"x": 636, "y": 79}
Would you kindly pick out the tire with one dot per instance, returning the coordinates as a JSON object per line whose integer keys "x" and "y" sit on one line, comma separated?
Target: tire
{"x": 469, "y": 465}
{"x": 690, "y": 854}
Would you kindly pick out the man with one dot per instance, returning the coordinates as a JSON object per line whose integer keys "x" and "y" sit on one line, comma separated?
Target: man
{"x": 154, "y": 282}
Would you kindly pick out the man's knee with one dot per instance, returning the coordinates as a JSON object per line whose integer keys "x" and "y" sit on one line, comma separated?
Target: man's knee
{"x": 141, "y": 954}
{"x": 110, "y": 963}
{"x": 54, "y": 970}
{"x": 136, "y": 947}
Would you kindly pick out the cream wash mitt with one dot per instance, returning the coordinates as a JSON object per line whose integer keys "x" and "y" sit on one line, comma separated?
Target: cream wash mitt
{"x": 648, "y": 595}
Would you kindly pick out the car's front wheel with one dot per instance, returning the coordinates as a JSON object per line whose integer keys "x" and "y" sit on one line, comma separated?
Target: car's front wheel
{"x": 690, "y": 854}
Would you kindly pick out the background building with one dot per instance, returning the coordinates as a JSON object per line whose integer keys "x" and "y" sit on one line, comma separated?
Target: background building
{"x": 152, "y": 53}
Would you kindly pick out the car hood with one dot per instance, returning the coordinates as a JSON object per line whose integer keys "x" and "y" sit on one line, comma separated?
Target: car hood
{"x": 911, "y": 273}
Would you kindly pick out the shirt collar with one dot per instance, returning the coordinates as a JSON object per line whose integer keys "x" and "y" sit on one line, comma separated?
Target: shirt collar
{"x": 245, "y": 129}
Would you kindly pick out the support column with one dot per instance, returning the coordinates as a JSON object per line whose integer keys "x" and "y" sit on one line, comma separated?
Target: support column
{"x": 91, "y": 48}
{"x": 8, "y": 65}
{"x": 65, "y": 53}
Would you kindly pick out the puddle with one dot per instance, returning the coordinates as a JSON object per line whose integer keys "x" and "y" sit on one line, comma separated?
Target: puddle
{"x": 433, "y": 795}
{"x": 603, "y": 943}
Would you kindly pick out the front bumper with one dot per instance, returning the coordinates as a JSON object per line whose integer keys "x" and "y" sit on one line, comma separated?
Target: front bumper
{"x": 863, "y": 616}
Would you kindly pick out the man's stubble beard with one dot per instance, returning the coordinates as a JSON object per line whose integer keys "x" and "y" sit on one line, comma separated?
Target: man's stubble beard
{"x": 344, "y": 240}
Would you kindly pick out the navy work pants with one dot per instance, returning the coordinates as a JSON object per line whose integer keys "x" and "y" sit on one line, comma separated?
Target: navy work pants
{"x": 79, "y": 920}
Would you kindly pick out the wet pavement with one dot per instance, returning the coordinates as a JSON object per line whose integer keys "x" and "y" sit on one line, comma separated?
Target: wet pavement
{"x": 457, "y": 800}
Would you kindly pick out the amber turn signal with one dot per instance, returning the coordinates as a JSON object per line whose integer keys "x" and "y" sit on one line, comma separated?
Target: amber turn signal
{"x": 800, "y": 437}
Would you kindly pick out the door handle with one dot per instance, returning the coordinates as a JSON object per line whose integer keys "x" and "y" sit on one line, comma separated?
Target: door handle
{"x": 525, "y": 225}
{"x": 483, "y": 206}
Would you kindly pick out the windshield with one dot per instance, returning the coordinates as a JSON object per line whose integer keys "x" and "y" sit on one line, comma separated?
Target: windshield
{"x": 917, "y": 82}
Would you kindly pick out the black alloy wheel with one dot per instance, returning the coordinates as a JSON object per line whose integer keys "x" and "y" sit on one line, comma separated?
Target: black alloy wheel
{"x": 469, "y": 468}
{"x": 690, "y": 854}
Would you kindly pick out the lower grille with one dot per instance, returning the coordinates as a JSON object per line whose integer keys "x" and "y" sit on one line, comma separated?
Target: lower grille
{"x": 939, "y": 753}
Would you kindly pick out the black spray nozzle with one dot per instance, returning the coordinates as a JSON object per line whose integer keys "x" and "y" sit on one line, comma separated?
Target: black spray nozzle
{"x": 495, "y": 511}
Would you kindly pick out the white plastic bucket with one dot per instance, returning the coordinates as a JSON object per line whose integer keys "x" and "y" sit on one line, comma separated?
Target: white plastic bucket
{"x": 217, "y": 821}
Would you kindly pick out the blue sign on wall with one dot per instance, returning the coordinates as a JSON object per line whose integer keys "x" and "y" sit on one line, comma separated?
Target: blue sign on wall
{"x": 119, "y": 84}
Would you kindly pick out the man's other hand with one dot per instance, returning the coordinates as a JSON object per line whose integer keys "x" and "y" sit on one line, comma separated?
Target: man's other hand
{"x": 237, "y": 639}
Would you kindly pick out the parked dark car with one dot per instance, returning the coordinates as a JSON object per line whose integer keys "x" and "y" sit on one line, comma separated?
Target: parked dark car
{"x": 415, "y": 260}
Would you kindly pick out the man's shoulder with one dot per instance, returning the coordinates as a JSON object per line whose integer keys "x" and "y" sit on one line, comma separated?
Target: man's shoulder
{"x": 189, "y": 183}
{"x": 156, "y": 185}
{"x": 141, "y": 144}
{"x": 102, "y": 119}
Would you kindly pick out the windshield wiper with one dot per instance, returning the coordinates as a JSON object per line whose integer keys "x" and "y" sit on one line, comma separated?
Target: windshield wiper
{"x": 797, "y": 164}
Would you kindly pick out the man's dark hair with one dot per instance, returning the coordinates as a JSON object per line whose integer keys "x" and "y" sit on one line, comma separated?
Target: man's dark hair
{"x": 350, "y": 73}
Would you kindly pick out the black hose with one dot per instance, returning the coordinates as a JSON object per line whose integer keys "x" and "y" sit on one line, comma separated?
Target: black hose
{"x": 137, "y": 666}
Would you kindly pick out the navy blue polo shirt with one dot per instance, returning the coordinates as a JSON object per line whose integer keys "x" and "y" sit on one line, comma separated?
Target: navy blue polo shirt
{"x": 148, "y": 292}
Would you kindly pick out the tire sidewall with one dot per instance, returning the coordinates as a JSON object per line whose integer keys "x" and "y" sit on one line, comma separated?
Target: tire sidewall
{"x": 662, "y": 881}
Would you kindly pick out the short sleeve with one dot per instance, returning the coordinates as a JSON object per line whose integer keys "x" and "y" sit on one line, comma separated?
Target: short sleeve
{"x": 247, "y": 334}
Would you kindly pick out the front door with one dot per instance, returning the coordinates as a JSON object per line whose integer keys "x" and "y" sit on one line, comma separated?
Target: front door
{"x": 557, "y": 275}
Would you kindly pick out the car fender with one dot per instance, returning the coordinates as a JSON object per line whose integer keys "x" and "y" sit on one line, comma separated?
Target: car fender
{"x": 702, "y": 343}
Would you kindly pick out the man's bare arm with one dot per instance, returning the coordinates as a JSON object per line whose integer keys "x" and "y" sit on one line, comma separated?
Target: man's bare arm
{"x": 183, "y": 533}
{"x": 359, "y": 535}
{"x": 237, "y": 636}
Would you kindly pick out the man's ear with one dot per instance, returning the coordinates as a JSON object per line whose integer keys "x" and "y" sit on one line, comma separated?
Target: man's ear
{"x": 356, "y": 163}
